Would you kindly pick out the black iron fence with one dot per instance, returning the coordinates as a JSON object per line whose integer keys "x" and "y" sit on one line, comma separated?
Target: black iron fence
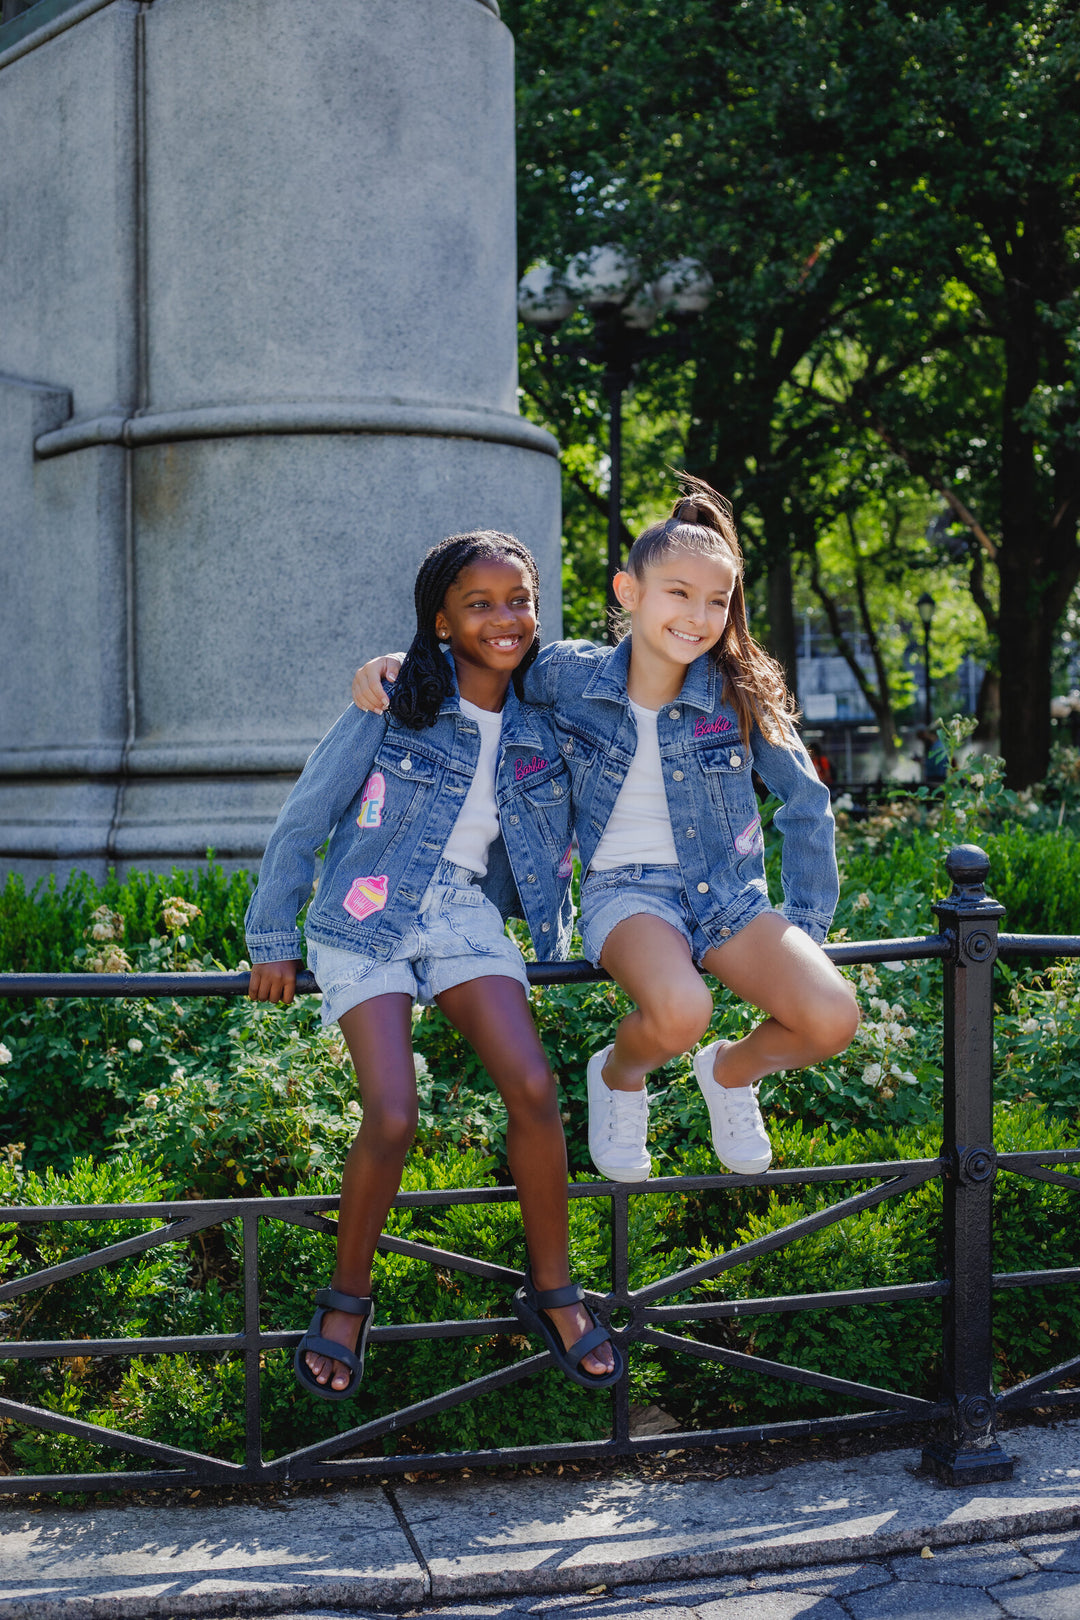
{"x": 967, "y": 1448}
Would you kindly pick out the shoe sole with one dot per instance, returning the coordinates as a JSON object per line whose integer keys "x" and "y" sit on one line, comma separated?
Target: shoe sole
{"x": 738, "y": 1167}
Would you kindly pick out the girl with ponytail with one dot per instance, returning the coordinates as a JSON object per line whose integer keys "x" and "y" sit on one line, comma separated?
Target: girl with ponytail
{"x": 445, "y": 816}
{"x": 663, "y": 735}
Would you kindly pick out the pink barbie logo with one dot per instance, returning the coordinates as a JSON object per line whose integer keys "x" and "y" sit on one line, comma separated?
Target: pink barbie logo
{"x": 372, "y": 801}
{"x": 367, "y": 894}
{"x": 523, "y": 769}
{"x": 566, "y": 865}
{"x": 750, "y": 841}
{"x": 710, "y": 728}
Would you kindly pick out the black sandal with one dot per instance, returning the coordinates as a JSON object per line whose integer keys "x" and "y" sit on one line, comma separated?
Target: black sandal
{"x": 529, "y": 1307}
{"x": 356, "y": 1305}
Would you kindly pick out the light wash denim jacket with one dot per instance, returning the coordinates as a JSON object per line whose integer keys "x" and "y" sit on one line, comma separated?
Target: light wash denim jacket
{"x": 390, "y": 796}
{"x": 714, "y": 811}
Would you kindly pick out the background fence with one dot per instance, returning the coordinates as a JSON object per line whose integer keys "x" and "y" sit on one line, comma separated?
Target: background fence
{"x": 967, "y": 1447}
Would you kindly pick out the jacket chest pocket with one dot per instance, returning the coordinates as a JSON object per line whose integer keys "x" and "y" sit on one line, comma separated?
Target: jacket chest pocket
{"x": 396, "y": 784}
{"x": 579, "y": 755}
{"x": 728, "y": 774}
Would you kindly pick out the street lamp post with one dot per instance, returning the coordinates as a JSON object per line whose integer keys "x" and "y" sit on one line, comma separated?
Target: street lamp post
{"x": 925, "y": 606}
{"x": 608, "y": 283}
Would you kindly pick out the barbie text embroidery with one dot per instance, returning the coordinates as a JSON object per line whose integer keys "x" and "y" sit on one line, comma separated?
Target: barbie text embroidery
{"x": 710, "y": 728}
{"x": 522, "y": 770}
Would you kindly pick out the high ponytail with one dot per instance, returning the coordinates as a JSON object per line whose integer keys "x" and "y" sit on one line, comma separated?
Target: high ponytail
{"x": 702, "y": 521}
{"x": 425, "y": 680}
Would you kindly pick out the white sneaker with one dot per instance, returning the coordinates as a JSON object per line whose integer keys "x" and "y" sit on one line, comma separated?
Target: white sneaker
{"x": 738, "y": 1130}
{"x": 618, "y": 1125}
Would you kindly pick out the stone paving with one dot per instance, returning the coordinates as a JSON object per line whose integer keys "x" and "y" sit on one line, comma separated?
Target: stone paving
{"x": 868, "y": 1537}
{"x": 1031, "y": 1578}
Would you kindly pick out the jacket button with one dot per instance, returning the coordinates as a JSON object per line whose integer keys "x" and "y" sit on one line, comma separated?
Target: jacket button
{"x": 725, "y": 933}
{"x": 568, "y": 746}
{"x": 557, "y": 790}
{"x": 673, "y": 714}
{"x": 514, "y": 820}
{"x": 736, "y": 759}
{"x": 676, "y": 776}
{"x": 690, "y": 833}
{"x": 703, "y": 888}
{"x": 545, "y": 928}
{"x": 531, "y": 878}
{"x": 406, "y": 764}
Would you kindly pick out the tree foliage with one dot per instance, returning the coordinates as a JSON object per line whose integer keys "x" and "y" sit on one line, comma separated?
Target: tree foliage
{"x": 886, "y": 197}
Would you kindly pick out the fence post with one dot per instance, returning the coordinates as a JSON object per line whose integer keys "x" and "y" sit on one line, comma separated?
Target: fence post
{"x": 969, "y": 919}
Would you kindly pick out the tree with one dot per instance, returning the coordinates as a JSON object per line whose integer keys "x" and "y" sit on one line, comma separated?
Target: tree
{"x": 898, "y": 182}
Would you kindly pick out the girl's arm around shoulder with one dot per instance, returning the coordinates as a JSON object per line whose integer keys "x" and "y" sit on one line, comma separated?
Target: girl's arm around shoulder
{"x": 330, "y": 780}
{"x": 808, "y": 870}
{"x": 541, "y": 680}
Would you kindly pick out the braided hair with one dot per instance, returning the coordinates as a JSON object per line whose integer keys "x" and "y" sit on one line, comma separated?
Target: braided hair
{"x": 425, "y": 679}
{"x": 702, "y": 521}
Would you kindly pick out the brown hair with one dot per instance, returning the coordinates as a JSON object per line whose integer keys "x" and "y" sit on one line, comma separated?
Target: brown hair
{"x": 702, "y": 521}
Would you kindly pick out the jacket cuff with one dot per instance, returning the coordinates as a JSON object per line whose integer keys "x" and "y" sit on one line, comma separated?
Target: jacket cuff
{"x": 811, "y": 923}
{"x": 284, "y": 947}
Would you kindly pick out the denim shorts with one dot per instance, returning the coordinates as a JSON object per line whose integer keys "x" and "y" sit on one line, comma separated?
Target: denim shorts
{"x": 609, "y": 898}
{"x": 458, "y": 936}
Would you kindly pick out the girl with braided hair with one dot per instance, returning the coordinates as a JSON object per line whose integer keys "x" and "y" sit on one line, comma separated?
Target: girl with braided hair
{"x": 445, "y": 815}
{"x": 663, "y": 734}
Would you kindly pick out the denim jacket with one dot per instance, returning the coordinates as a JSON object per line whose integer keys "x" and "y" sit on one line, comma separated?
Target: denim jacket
{"x": 389, "y": 797}
{"x": 707, "y": 777}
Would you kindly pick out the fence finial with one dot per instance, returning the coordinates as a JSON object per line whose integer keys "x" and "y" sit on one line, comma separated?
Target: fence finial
{"x": 969, "y": 867}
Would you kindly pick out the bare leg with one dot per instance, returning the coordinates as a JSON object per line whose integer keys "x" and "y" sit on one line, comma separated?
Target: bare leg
{"x": 378, "y": 1034}
{"x": 812, "y": 1011}
{"x": 494, "y": 1017}
{"x": 651, "y": 961}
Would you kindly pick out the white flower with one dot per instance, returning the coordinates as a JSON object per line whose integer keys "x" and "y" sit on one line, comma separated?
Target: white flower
{"x": 5, "y": 1054}
{"x": 897, "y": 1032}
{"x": 871, "y": 1074}
{"x": 1029, "y": 1026}
{"x": 978, "y": 779}
{"x": 844, "y": 802}
{"x": 862, "y": 902}
{"x": 177, "y": 913}
{"x": 134, "y": 1045}
{"x": 150, "y": 1100}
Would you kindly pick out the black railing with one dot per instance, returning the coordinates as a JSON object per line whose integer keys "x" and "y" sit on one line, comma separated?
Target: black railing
{"x": 968, "y": 945}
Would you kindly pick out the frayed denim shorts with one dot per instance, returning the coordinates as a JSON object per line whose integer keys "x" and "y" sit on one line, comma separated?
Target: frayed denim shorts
{"x": 458, "y": 936}
{"x": 609, "y": 898}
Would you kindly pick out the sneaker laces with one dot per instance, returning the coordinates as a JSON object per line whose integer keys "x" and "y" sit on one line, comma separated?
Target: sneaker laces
{"x": 740, "y": 1105}
{"x": 625, "y": 1117}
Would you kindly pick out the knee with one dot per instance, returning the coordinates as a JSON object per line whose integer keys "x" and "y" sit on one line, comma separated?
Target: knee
{"x": 833, "y": 1023}
{"x": 390, "y": 1129}
{"x": 532, "y": 1096}
{"x": 679, "y": 1024}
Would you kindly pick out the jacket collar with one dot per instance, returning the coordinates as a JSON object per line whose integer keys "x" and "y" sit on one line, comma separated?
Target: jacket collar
{"x": 612, "y": 673}
{"x": 517, "y": 728}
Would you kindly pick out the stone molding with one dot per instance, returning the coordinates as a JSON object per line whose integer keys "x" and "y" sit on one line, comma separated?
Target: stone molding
{"x": 86, "y": 8}
{"x": 357, "y": 416}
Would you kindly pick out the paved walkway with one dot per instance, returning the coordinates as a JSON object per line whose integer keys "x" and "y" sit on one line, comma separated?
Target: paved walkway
{"x": 822, "y": 1541}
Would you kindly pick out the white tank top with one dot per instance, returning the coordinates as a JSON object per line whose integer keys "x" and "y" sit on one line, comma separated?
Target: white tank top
{"x": 639, "y": 828}
{"x": 477, "y": 825}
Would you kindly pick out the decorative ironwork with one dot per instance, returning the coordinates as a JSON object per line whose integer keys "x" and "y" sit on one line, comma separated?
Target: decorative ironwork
{"x": 967, "y": 945}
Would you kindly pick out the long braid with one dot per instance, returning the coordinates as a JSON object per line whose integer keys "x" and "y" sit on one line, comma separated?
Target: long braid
{"x": 424, "y": 682}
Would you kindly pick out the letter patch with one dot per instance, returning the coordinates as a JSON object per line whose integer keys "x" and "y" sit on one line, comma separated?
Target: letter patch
{"x": 566, "y": 865}
{"x": 367, "y": 894}
{"x": 750, "y": 841}
{"x": 372, "y": 801}
{"x": 523, "y": 769}
{"x": 710, "y": 728}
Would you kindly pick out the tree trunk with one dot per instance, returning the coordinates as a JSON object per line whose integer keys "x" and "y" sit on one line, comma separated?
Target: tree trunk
{"x": 781, "y": 639}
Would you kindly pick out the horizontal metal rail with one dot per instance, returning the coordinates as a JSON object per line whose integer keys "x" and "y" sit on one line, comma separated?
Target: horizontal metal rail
{"x": 645, "y": 1315}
